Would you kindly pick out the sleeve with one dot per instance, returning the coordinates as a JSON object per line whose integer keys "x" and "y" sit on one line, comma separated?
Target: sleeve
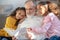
{"x": 44, "y": 28}
{"x": 10, "y": 23}
{"x": 12, "y": 32}
{"x": 9, "y": 26}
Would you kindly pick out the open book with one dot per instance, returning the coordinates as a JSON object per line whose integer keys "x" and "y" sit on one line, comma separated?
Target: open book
{"x": 21, "y": 34}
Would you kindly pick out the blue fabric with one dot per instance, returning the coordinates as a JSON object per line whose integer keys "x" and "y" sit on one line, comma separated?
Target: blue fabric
{"x": 54, "y": 38}
{"x": 58, "y": 38}
{"x": 0, "y": 38}
{"x": 4, "y": 39}
{"x": 46, "y": 39}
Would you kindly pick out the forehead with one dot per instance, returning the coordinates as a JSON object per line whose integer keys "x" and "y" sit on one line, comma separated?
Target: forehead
{"x": 52, "y": 5}
{"x": 40, "y": 6}
{"x": 20, "y": 11}
{"x": 29, "y": 4}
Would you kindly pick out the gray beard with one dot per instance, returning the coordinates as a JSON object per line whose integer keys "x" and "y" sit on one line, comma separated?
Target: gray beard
{"x": 29, "y": 16}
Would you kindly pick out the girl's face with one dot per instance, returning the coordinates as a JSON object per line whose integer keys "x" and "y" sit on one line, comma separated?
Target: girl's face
{"x": 54, "y": 8}
{"x": 55, "y": 11}
{"x": 20, "y": 14}
{"x": 41, "y": 9}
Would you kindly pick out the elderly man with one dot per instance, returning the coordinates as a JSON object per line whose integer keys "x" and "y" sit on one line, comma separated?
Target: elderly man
{"x": 32, "y": 20}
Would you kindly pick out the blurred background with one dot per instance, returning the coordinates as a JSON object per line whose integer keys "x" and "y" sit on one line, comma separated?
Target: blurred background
{"x": 7, "y": 6}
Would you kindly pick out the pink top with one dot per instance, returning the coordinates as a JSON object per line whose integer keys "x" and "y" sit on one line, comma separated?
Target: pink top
{"x": 51, "y": 26}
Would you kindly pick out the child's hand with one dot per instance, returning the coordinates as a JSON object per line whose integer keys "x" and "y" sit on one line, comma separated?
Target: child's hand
{"x": 14, "y": 38}
{"x": 29, "y": 29}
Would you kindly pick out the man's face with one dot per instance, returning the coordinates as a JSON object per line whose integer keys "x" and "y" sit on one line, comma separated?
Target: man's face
{"x": 30, "y": 8}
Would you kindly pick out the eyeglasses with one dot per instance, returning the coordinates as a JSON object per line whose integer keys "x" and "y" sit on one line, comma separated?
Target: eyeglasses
{"x": 31, "y": 9}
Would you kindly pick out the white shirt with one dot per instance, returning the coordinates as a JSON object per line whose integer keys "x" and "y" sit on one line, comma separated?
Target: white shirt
{"x": 33, "y": 21}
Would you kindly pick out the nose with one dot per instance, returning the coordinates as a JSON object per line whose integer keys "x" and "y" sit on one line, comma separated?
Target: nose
{"x": 28, "y": 11}
{"x": 22, "y": 15}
